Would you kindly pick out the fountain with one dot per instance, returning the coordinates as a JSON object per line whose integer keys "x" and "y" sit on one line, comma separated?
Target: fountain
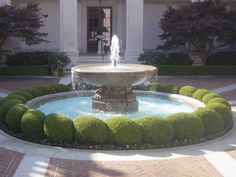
{"x": 115, "y": 82}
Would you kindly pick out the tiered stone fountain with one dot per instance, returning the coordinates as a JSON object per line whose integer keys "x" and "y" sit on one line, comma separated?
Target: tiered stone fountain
{"x": 115, "y": 82}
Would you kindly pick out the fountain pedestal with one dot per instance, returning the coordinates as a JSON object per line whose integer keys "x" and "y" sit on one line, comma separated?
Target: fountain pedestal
{"x": 121, "y": 100}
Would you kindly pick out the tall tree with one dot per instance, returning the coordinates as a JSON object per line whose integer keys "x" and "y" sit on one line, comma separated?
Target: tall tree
{"x": 205, "y": 25}
{"x": 23, "y": 23}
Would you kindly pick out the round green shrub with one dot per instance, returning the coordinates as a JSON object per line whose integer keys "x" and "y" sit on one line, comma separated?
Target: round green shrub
{"x": 4, "y": 108}
{"x": 200, "y": 93}
{"x": 124, "y": 131}
{"x": 186, "y": 126}
{"x": 156, "y": 130}
{"x": 209, "y": 96}
{"x": 172, "y": 89}
{"x": 140, "y": 87}
{"x": 14, "y": 115}
{"x": 225, "y": 113}
{"x": 219, "y": 100}
{"x": 59, "y": 128}
{"x": 212, "y": 121}
{"x": 46, "y": 89}
{"x": 89, "y": 129}
{"x": 187, "y": 90}
{"x": 156, "y": 87}
{"x": 61, "y": 87}
{"x": 34, "y": 91}
{"x": 15, "y": 97}
{"x": 32, "y": 124}
{"x": 26, "y": 95}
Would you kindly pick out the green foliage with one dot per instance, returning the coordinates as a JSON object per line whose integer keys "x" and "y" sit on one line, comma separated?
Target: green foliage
{"x": 225, "y": 113}
{"x": 157, "y": 58}
{"x": 61, "y": 88}
{"x": 171, "y": 88}
{"x": 90, "y": 130}
{"x": 58, "y": 128}
{"x": 25, "y": 70}
{"x": 222, "y": 58}
{"x": 26, "y": 95}
{"x": 219, "y": 100}
{"x": 187, "y": 91}
{"x": 32, "y": 124}
{"x": 46, "y": 89}
{"x": 212, "y": 121}
{"x": 34, "y": 92}
{"x": 186, "y": 126}
{"x": 209, "y": 96}
{"x": 156, "y": 130}
{"x": 140, "y": 87}
{"x": 156, "y": 87}
{"x": 12, "y": 96}
{"x": 14, "y": 115}
{"x": 124, "y": 131}
{"x": 200, "y": 93}
{"x": 4, "y": 108}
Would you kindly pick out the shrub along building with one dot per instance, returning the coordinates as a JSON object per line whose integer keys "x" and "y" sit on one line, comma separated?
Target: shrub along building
{"x": 77, "y": 26}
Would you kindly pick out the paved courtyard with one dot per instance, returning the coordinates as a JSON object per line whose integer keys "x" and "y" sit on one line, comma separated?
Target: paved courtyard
{"x": 212, "y": 159}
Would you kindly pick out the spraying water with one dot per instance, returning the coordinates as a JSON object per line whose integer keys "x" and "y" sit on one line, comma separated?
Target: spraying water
{"x": 115, "y": 56}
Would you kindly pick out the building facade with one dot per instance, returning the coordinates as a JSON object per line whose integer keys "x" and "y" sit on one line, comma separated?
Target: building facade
{"x": 74, "y": 26}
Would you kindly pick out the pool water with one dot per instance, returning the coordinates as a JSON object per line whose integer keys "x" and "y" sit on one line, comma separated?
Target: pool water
{"x": 82, "y": 106}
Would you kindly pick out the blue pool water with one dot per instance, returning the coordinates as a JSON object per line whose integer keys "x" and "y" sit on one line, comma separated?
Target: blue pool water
{"x": 78, "y": 106}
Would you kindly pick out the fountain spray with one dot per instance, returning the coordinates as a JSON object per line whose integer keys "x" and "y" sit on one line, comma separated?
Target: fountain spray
{"x": 115, "y": 51}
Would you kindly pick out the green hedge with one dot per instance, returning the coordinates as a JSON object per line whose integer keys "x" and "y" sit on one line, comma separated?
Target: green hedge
{"x": 196, "y": 70}
{"x": 34, "y": 92}
{"x": 206, "y": 98}
{"x": 187, "y": 90}
{"x": 14, "y": 116}
{"x": 224, "y": 111}
{"x": 156, "y": 130}
{"x": 212, "y": 121}
{"x": 61, "y": 87}
{"x": 26, "y": 95}
{"x": 124, "y": 131}
{"x": 25, "y": 70}
{"x": 186, "y": 126}
{"x": 32, "y": 124}
{"x": 90, "y": 130}
{"x": 219, "y": 100}
{"x": 46, "y": 89}
{"x": 58, "y": 128}
{"x": 200, "y": 93}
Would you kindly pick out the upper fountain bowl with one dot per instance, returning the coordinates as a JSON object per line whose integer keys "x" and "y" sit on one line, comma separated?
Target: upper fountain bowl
{"x": 124, "y": 75}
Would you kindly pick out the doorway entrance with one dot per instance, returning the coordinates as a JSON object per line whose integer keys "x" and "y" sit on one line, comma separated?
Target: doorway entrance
{"x": 99, "y": 25}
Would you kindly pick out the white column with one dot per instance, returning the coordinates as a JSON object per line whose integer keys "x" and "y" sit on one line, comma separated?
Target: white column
{"x": 134, "y": 30}
{"x": 68, "y": 23}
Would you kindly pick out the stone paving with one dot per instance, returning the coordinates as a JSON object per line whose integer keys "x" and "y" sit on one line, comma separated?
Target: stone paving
{"x": 212, "y": 159}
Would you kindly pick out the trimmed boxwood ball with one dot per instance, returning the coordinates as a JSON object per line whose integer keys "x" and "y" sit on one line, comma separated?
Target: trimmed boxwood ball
{"x": 219, "y": 100}
{"x": 34, "y": 91}
{"x": 16, "y": 97}
{"x": 156, "y": 130}
{"x": 225, "y": 113}
{"x": 4, "y": 108}
{"x": 46, "y": 89}
{"x": 140, "y": 87}
{"x": 58, "y": 128}
{"x": 212, "y": 121}
{"x": 89, "y": 129}
{"x": 156, "y": 87}
{"x": 26, "y": 95}
{"x": 210, "y": 96}
{"x": 32, "y": 124}
{"x": 200, "y": 93}
{"x": 61, "y": 87}
{"x": 172, "y": 88}
{"x": 187, "y": 90}
{"x": 124, "y": 131}
{"x": 14, "y": 115}
{"x": 186, "y": 126}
